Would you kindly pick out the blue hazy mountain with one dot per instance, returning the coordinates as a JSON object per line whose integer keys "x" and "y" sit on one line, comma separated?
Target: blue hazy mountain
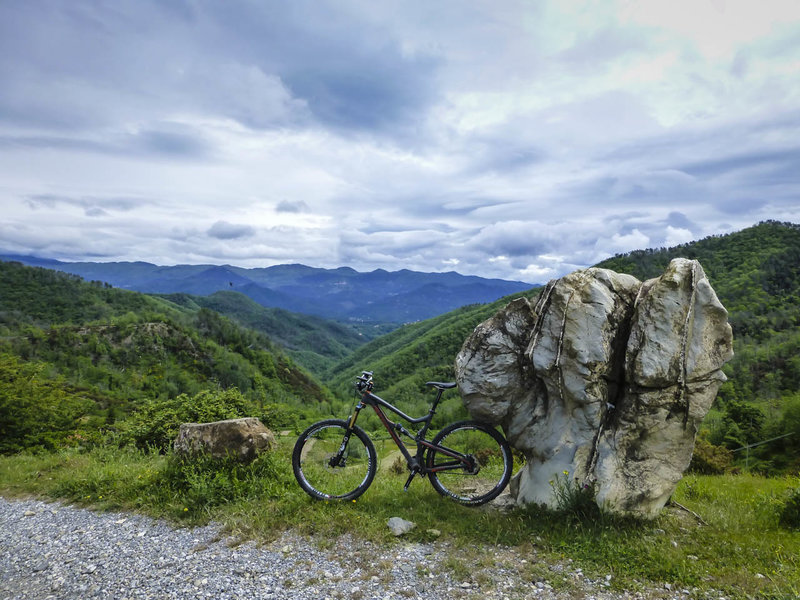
{"x": 344, "y": 293}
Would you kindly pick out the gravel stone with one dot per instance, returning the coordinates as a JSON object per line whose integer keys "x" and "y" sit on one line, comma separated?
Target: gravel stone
{"x": 59, "y": 552}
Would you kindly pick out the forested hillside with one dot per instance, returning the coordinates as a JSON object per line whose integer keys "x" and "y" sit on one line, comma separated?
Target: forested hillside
{"x": 99, "y": 354}
{"x": 313, "y": 342}
{"x": 408, "y": 357}
{"x": 78, "y": 356}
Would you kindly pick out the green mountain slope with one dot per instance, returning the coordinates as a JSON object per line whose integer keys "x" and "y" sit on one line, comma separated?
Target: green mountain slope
{"x": 109, "y": 351}
{"x": 406, "y": 358}
{"x": 313, "y": 342}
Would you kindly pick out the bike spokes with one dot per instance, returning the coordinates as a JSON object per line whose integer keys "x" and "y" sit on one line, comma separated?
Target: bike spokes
{"x": 330, "y": 466}
{"x": 482, "y": 468}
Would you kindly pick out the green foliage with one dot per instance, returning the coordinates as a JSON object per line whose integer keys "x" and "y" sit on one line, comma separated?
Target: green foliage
{"x": 36, "y": 410}
{"x": 742, "y": 425}
{"x": 108, "y": 352}
{"x": 156, "y": 423}
{"x": 574, "y": 498}
{"x": 790, "y": 513}
{"x": 280, "y": 416}
{"x": 709, "y": 459}
{"x": 313, "y": 342}
{"x": 202, "y": 483}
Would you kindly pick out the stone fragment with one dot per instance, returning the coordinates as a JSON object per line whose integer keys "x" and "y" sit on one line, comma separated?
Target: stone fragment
{"x": 242, "y": 439}
{"x": 400, "y": 526}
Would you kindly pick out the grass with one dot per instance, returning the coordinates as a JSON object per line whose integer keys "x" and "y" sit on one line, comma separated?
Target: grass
{"x": 742, "y": 550}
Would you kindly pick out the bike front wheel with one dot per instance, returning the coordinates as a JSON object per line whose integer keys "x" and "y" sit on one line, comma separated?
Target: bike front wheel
{"x": 330, "y": 464}
{"x": 481, "y": 468}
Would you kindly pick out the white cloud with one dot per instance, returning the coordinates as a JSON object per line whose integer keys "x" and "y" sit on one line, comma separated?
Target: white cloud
{"x": 517, "y": 139}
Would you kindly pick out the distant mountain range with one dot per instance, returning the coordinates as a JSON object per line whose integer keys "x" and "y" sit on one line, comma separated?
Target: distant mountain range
{"x": 344, "y": 293}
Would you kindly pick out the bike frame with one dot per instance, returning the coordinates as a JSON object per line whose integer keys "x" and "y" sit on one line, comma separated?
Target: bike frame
{"x": 415, "y": 463}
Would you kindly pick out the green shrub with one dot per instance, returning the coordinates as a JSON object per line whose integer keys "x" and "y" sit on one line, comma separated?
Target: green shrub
{"x": 790, "y": 513}
{"x": 36, "y": 410}
{"x": 280, "y": 416}
{"x": 709, "y": 459}
{"x": 204, "y": 482}
{"x": 156, "y": 423}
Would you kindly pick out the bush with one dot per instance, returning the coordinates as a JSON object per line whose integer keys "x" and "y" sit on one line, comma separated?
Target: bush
{"x": 790, "y": 514}
{"x": 36, "y": 411}
{"x": 709, "y": 459}
{"x": 201, "y": 483}
{"x": 156, "y": 423}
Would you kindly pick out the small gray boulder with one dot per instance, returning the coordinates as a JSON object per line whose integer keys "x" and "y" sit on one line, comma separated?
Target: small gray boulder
{"x": 400, "y": 526}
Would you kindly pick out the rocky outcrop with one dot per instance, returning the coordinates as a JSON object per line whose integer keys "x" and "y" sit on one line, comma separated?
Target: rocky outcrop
{"x": 242, "y": 439}
{"x": 605, "y": 379}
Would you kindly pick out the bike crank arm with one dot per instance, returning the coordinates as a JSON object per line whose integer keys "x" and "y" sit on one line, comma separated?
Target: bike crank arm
{"x": 414, "y": 473}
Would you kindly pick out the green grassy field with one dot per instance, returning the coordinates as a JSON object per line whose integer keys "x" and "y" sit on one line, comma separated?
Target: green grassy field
{"x": 733, "y": 543}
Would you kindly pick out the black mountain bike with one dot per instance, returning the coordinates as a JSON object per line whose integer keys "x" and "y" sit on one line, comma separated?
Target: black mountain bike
{"x": 467, "y": 461}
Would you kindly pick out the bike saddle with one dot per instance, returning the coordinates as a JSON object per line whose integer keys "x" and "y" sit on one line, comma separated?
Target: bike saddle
{"x": 440, "y": 385}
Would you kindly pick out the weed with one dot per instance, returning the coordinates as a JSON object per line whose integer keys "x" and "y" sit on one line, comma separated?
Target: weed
{"x": 573, "y": 497}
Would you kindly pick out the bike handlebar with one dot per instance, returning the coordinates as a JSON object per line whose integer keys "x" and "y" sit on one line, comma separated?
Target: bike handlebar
{"x": 365, "y": 381}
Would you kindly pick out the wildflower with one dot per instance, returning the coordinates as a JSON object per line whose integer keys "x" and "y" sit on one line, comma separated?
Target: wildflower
{"x": 565, "y": 472}
{"x": 354, "y": 501}
{"x": 185, "y": 509}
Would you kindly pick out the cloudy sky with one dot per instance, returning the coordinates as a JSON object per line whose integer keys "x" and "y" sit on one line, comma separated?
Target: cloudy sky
{"x": 506, "y": 139}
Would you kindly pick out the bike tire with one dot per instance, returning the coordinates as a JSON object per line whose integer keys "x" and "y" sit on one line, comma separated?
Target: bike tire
{"x": 312, "y": 455}
{"x": 493, "y": 463}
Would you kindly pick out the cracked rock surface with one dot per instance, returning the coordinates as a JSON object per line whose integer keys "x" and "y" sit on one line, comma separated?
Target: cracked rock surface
{"x": 602, "y": 383}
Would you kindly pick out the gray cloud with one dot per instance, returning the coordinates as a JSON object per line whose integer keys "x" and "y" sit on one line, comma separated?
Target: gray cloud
{"x": 223, "y": 230}
{"x": 286, "y": 206}
{"x": 92, "y": 204}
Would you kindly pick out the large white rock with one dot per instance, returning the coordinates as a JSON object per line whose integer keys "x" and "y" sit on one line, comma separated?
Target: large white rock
{"x": 680, "y": 338}
{"x": 605, "y": 379}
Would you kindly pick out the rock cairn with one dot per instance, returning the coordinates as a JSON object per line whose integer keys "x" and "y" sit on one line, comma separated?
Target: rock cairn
{"x": 602, "y": 383}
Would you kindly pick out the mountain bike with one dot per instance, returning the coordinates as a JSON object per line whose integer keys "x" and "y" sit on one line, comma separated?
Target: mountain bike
{"x": 467, "y": 461}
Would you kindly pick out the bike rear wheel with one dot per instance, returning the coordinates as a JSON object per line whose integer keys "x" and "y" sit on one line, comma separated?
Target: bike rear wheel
{"x": 330, "y": 465}
{"x": 488, "y": 465}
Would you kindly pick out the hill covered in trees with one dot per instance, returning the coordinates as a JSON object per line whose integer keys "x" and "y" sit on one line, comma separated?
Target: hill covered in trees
{"x": 313, "y": 342}
{"x": 79, "y": 356}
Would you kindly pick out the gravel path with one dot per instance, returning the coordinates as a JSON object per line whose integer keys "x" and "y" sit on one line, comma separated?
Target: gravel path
{"x": 54, "y": 551}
